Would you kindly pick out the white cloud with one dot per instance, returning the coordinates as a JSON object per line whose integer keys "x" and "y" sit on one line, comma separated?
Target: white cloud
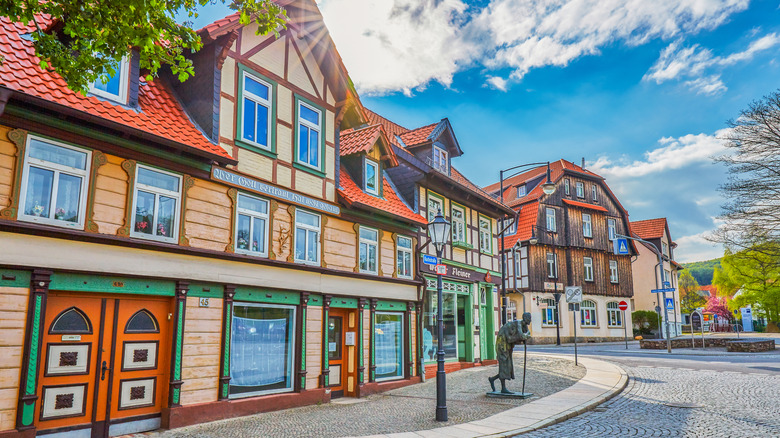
{"x": 700, "y": 66}
{"x": 696, "y": 247}
{"x": 405, "y": 44}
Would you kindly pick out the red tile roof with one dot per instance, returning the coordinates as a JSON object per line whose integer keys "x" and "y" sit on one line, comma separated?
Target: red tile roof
{"x": 419, "y": 135}
{"x": 391, "y": 128}
{"x": 352, "y": 141}
{"x": 650, "y": 228}
{"x": 159, "y": 113}
{"x": 527, "y": 218}
{"x": 219, "y": 27}
{"x": 584, "y": 205}
{"x": 389, "y": 203}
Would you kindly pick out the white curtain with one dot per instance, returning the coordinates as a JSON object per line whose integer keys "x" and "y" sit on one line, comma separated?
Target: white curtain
{"x": 258, "y": 355}
{"x": 388, "y": 348}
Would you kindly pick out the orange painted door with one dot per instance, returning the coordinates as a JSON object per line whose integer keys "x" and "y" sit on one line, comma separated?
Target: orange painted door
{"x": 336, "y": 353}
{"x": 105, "y": 364}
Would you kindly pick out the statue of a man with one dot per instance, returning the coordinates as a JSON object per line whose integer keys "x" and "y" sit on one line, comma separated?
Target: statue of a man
{"x": 512, "y": 333}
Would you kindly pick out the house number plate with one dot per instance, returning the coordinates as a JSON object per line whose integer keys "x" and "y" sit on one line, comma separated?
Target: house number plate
{"x": 203, "y": 302}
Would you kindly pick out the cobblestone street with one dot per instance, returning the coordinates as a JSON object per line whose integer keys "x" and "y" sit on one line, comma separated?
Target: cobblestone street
{"x": 710, "y": 404}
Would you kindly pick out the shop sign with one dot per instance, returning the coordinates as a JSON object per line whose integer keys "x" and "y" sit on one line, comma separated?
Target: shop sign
{"x": 240, "y": 181}
{"x": 458, "y": 273}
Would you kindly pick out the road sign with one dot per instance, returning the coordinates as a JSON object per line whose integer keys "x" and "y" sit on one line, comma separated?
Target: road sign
{"x": 659, "y": 291}
{"x": 670, "y": 304}
{"x": 623, "y": 305}
{"x": 441, "y": 269}
{"x": 667, "y": 284}
{"x": 620, "y": 246}
{"x": 430, "y": 260}
{"x": 573, "y": 294}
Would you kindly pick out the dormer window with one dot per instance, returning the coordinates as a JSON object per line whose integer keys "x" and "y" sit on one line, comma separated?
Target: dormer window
{"x": 521, "y": 191}
{"x": 115, "y": 86}
{"x": 371, "y": 182}
{"x": 440, "y": 161}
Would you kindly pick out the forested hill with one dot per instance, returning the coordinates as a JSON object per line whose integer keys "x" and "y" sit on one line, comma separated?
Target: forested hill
{"x": 702, "y": 271}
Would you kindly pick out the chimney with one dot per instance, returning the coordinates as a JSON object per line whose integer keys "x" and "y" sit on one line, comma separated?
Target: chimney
{"x": 583, "y": 163}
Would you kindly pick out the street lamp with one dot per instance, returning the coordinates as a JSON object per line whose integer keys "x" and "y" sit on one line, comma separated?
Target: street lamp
{"x": 533, "y": 241}
{"x": 439, "y": 233}
{"x": 548, "y": 187}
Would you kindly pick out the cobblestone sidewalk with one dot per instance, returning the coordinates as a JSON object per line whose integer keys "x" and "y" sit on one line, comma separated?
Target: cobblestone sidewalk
{"x": 401, "y": 410}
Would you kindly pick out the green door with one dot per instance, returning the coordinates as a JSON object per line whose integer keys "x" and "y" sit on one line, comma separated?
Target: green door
{"x": 462, "y": 333}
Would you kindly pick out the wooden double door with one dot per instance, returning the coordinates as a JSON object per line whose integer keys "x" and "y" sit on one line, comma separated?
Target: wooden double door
{"x": 104, "y": 366}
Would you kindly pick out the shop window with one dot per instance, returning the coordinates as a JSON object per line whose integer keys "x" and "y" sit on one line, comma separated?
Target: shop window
{"x": 458, "y": 225}
{"x": 372, "y": 178}
{"x": 113, "y": 87}
{"x": 587, "y": 263}
{"x": 307, "y": 237}
{"x": 613, "y": 271}
{"x": 71, "y": 321}
{"x": 511, "y": 311}
{"x": 550, "y": 314}
{"x": 430, "y": 333}
{"x": 309, "y": 135}
{"x": 156, "y": 205}
{"x": 262, "y": 349}
{"x": 54, "y": 183}
{"x": 142, "y": 322}
{"x": 256, "y": 110}
{"x": 252, "y": 225}
{"x": 614, "y": 315}
{"x": 404, "y": 257}
{"x": 369, "y": 250}
{"x": 388, "y": 345}
{"x": 587, "y": 225}
{"x": 588, "y": 313}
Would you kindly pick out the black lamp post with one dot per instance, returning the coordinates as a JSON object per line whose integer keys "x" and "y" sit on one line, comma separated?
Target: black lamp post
{"x": 533, "y": 241}
{"x": 548, "y": 187}
{"x": 439, "y": 233}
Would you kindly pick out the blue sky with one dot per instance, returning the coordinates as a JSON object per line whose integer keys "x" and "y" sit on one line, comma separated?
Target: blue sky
{"x": 640, "y": 89}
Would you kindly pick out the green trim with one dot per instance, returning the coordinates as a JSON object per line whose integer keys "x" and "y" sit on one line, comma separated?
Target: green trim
{"x": 390, "y": 306}
{"x": 431, "y": 194}
{"x": 315, "y": 300}
{"x": 360, "y": 346}
{"x": 240, "y": 113}
{"x": 372, "y": 361}
{"x": 479, "y": 231}
{"x": 323, "y": 116}
{"x": 325, "y": 352}
{"x": 206, "y": 290}
{"x": 258, "y": 295}
{"x": 15, "y": 278}
{"x": 462, "y": 245}
{"x": 178, "y": 350}
{"x": 445, "y": 280}
{"x": 111, "y": 284}
{"x": 303, "y": 346}
{"x": 113, "y": 139}
{"x": 344, "y": 303}
{"x": 226, "y": 351}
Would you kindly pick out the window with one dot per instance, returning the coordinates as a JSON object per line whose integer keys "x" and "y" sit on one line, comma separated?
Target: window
{"x": 521, "y": 191}
{"x": 549, "y": 314}
{"x": 142, "y": 322}
{"x": 580, "y": 190}
{"x": 435, "y": 205}
{"x": 309, "y": 135}
{"x": 566, "y": 187}
{"x": 518, "y": 265}
{"x": 594, "y": 192}
{"x": 458, "y": 225}
{"x": 307, "y": 237}
{"x": 156, "y": 205}
{"x": 372, "y": 178}
{"x": 256, "y": 109}
{"x": 551, "y": 223}
{"x": 262, "y": 349}
{"x": 404, "y": 257}
{"x": 485, "y": 236}
{"x": 552, "y": 265}
{"x": 430, "y": 333}
{"x": 71, "y": 321}
{"x": 509, "y": 226}
{"x": 613, "y": 271}
{"x": 369, "y": 242}
{"x": 588, "y": 314}
{"x": 611, "y": 230}
{"x": 587, "y": 225}
{"x": 511, "y": 311}
{"x": 115, "y": 86}
{"x": 665, "y": 249}
{"x": 388, "y": 345}
{"x": 440, "y": 160}
{"x": 588, "y": 268}
{"x": 54, "y": 183}
{"x": 614, "y": 315}
{"x": 252, "y": 225}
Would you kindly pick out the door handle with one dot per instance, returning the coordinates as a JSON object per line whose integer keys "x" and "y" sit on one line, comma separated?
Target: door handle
{"x": 103, "y": 371}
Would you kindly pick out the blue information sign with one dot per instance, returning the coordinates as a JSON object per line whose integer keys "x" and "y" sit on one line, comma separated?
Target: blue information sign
{"x": 659, "y": 291}
{"x": 430, "y": 260}
{"x": 620, "y": 246}
{"x": 670, "y": 304}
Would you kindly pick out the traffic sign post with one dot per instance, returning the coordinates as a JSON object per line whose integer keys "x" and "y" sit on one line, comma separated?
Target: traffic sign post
{"x": 620, "y": 246}
{"x": 574, "y": 294}
{"x": 430, "y": 260}
{"x": 662, "y": 291}
{"x": 670, "y": 304}
{"x": 624, "y": 306}
{"x": 574, "y": 318}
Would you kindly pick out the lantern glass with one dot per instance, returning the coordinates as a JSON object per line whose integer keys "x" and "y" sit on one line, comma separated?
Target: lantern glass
{"x": 439, "y": 231}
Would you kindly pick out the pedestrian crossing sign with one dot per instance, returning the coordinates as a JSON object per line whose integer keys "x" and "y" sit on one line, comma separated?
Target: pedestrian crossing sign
{"x": 620, "y": 246}
{"x": 670, "y": 304}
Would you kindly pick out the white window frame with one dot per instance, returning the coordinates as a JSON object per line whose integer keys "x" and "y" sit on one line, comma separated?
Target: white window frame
{"x": 518, "y": 265}
{"x": 614, "y": 314}
{"x": 551, "y": 310}
{"x": 157, "y": 193}
{"x": 552, "y": 265}
{"x": 458, "y": 225}
{"x": 441, "y": 159}
{"x": 521, "y": 191}
{"x": 566, "y": 186}
{"x": 310, "y": 125}
{"x": 432, "y": 211}
{"x": 592, "y": 322}
{"x": 268, "y": 103}
{"x": 402, "y": 250}
{"x": 377, "y": 177}
{"x": 485, "y": 236}
{"x": 611, "y": 228}
{"x": 587, "y": 225}
{"x": 57, "y": 169}
{"x": 614, "y": 277}
{"x": 511, "y": 311}
{"x": 124, "y": 79}
{"x": 587, "y": 268}
{"x": 308, "y": 228}
{"x": 594, "y": 192}
{"x": 665, "y": 249}
{"x": 369, "y": 243}
{"x": 552, "y": 225}
{"x": 253, "y": 214}
{"x": 580, "y": 189}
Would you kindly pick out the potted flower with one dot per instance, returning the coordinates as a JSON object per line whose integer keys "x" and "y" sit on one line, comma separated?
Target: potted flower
{"x": 59, "y": 214}
{"x": 37, "y": 210}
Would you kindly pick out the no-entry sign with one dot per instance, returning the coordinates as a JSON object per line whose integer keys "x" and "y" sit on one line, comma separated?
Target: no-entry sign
{"x": 623, "y": 305}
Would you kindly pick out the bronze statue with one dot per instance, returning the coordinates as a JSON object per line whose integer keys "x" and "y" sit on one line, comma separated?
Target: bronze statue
{"x": 512, "y": 333}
